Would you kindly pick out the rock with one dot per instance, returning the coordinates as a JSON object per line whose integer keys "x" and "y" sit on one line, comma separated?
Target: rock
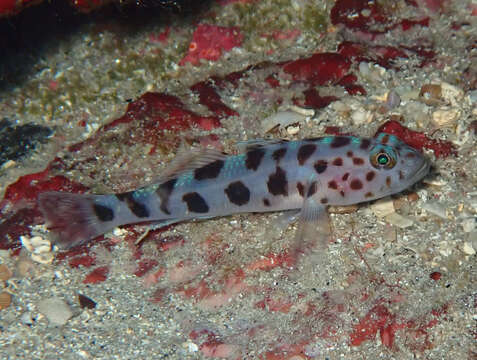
{"x": 55, "y": 310}
{"x": 445, "y": 117}
{"x": 383, "y": 207}
{"x": 5, "y": 300}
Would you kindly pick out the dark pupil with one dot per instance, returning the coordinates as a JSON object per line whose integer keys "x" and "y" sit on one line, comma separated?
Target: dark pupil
{"x": 383, "y": 159}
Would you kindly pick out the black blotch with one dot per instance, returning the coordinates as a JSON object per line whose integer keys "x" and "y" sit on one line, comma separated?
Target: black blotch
{"x": 279, "y": 154}
{"x": 209, "y": 171}
{"x": 238, "y": 193}
{"x": 320, "y": 166}
{"x": 254, "y": 158}
{"x": 136, "y": 207}
{"x": 103, "y": 212}
{"x": 301, "y": 189}
{"x": 339, "y": 141}
{"x": 356, "y": 184}
{"x": 164, "y": 192}
{"x": 278, "y": 183}
{"x": 195, "y": 203}
{"x": 304, "y": 152}
{"x": 266, "y": 202}
{"x": 365, "y": 144}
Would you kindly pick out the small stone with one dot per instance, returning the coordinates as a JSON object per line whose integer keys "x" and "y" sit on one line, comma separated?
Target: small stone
{"x": 399, "y": 220}
{"x": 362, "y": 116}
{"x": 27, "y": 319}
{"x": 445, "y": 117}
{"x": 281, "y": 120}
{"x": 86, "y": 302}
{"x": 55, "y": 310}
{"x": 5, "y": 272}
{"x": 431, "y": 94}
{"x": 293, "y": 130}
{"x": 469, "y": 224}
{"x": 451, "y": 94}
{"x": 383, "y": 207}
{"x": 435, "y": 209}
{"x": 5, "y": 300}
{"x": 468, "y": 249}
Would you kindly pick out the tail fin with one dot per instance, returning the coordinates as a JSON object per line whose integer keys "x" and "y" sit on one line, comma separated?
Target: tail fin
{"x": 75, "y": 218}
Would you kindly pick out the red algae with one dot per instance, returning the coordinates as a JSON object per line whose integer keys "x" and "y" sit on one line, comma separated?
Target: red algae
{"x": 209, "y": 42}
{"x": 319, "y": 69}
{"x": 99, "y": 274}
{"x": 417, "y": 139}
{"x": 144, "y": 266}
{"x": 208, "y": 96}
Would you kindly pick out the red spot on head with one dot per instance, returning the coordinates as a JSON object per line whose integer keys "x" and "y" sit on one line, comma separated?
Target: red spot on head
{"x": 333, "y": 185}
{"x": 368, "y": 195}
{"x": 388, "y": 181}
{"x": 338, "y": 162}
{"x": 370, "y": 175}
{"x": 358, "y": 161}
{"x": 349, "y": 154}
{"x": 345, "y": 176}
{"x": 356, "y": 184}
{"x": 324, "y": 201}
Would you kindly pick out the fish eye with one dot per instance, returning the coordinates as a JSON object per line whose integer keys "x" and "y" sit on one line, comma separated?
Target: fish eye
{"x": 382, "y": 160}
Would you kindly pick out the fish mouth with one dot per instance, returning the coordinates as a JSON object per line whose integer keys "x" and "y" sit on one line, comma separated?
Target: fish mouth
{"x": 421, "y": 172}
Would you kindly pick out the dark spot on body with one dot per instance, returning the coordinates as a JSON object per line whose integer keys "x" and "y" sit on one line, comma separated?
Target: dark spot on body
{"x": 320, "y": 166}
{"x": 356, "y": 184}
{"x": 254, "y": 158}
{"x": 324, "y": 201}
{"x": 345, "y": 176}
{"x": 401, "y": 175}
{"x": 385, "y": 139}
{"x": 368, "y": 195}
{"x": 164, "y": 192}
{"x": 339, "y": 141}
{"x": 338, "y": 162}
{"x": 410, "y": 155}
{"x": 209, "y": 171}
{"x": 301, "y": 189}
{"x": 388, "y": 181}
{"x": 349, "y": 154}
{"x": 365, "y": 144}
{"x": 238, "y": 193}
{"x": 195, "y": 203}
{"x": 279, "y": 154}
{"x": 266, "y": 202}
{"x": 342, "y": 193}
{"x": 277, "y": 182}
{"x": 333, "y": 185}
{"x": 312, "y": 189}
{"x": 138, "y": 209}
{"x": 304, "y": 152}
{"x": 358, "y": 161}
{"x": 103, "y": 213}
{"x": 370, "y": 175}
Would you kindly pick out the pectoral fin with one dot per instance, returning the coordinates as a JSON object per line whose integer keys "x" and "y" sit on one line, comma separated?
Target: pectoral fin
{"x": 314, "y": 230}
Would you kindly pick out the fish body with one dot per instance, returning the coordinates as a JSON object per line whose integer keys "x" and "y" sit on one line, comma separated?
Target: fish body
{"x": 274, "y": 175}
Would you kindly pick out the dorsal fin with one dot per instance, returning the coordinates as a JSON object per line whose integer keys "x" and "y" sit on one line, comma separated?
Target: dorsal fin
{"x": 252, "y": 144}
{"x": 188, "y": 160}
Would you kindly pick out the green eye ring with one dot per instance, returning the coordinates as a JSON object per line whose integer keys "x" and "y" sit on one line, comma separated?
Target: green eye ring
{"x": 383, "y": 160}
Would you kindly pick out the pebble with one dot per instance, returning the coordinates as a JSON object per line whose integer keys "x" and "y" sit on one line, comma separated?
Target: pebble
{"x": 435, "y": 209}
{"x": 27, "y": 319}
{"x": 383, "y": 207}
{"x": 431, "y": 94}
{"x": 282, "y": 120}
{"x": 39, "y": 248}
{"x": 5, "y": 272}
{"x": 362, "y": 116}
{"x": 5, "y": 300}
{"x": 55, "y": 310}
{"x": 468, "y": 249}
{"x": 445, "y": 117}
{"x": 399, "y": 220}
{"x": 451, "y": 94}
{"x": 469, "y": 224}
